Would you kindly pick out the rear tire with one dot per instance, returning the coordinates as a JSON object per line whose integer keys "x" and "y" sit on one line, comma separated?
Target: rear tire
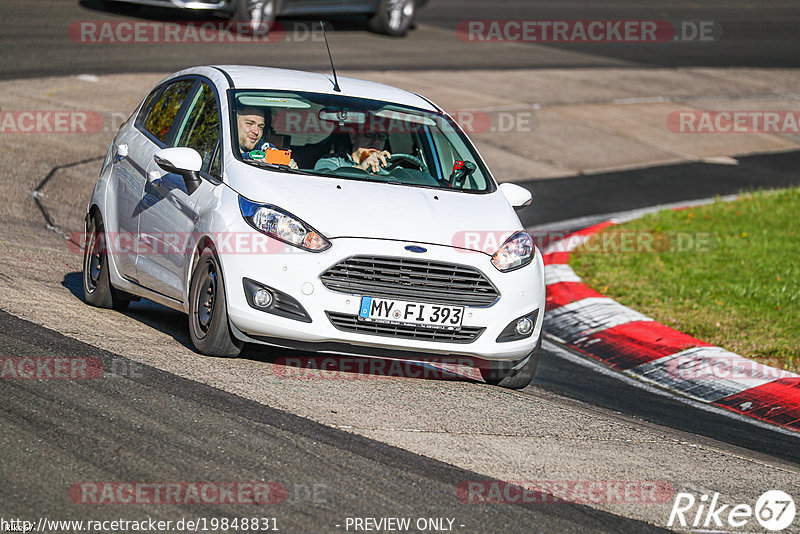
{"x": 515, "y": 378}
{"x": 208, "y": 310}
{"x": 97, "y": 288}
{"x": 394, "y": 17}
{"x": 255, "y": 16}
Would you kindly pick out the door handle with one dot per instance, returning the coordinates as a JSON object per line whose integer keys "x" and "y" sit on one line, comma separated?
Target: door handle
{"x": 122, "y": 151}
{"x": 154, "y": 177}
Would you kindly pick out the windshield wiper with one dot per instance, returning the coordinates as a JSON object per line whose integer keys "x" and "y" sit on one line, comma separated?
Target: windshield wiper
{"x": 278, "y": 167}
{"x": 344, "y": 175}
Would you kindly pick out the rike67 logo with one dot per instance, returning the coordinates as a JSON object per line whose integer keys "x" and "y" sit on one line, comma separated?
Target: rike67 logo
{"x": 774, "y": 510}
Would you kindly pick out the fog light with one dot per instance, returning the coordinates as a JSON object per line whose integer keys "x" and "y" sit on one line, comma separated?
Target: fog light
{"x": 519, "y": 328}
{"x": 263, "y": 298}
{"x": 524, "y": 326}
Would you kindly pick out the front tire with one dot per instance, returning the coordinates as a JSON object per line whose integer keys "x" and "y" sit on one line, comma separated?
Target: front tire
{"x": 256, "y": 16}
{"x": 515, "y": 378}
{"x": 394, "y": 17}
{"x": 208, "y": 310}
{"x": 97, "y": 288}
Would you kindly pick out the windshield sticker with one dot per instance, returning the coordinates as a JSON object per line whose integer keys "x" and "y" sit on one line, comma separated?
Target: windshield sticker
{"x": 257, "y": 154}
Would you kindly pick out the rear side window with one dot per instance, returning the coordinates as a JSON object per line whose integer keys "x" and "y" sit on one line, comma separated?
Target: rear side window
{"x": 163, "y": 113}
{"x": 200, "y": 128}
{"x": 148, "y": 102}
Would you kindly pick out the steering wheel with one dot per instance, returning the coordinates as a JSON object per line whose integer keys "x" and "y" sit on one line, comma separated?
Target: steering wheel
{"x": 398, "y": 159}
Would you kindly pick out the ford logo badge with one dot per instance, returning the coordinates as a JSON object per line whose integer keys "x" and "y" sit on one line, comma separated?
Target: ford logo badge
{"x": 414, "y": 248}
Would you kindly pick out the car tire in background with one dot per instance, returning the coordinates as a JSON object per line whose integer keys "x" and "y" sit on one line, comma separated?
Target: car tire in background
{"x": 97, "y": 288}
{"x": 255, "y": 16}
{"x": 515, "y": 378}
{"x": 394, "y": 17}
{"x": 121, "y": 8}
{"x": 208, "y": 309}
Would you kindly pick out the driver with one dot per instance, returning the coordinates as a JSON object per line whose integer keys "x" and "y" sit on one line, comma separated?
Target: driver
{"x": 368, "y": 154}
{"x": 251, "y": 122}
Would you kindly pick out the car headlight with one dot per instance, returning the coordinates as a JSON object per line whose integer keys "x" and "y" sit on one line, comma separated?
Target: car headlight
{"x": 282, "y": 225}
{"x": 517, "y": 251}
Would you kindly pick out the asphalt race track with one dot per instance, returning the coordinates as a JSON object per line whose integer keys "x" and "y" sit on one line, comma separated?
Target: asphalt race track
{"x": 374, "y": 448}
{"x": 327, "y": 474}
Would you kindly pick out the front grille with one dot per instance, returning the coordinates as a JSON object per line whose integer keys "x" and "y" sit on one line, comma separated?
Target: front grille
{"x": 350, "y": 323}
{"x": 411, "y": 279}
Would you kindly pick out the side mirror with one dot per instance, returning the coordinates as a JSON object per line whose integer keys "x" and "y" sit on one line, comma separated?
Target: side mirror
{"x": 183, "y": 161}
{"x": 517, "y": 196}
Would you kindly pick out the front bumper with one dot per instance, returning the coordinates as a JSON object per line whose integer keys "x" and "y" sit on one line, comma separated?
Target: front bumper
{"x": 297, "y": 273}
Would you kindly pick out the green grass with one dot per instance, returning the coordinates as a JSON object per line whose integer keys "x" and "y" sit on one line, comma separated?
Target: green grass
{"x": 727, "y": 273}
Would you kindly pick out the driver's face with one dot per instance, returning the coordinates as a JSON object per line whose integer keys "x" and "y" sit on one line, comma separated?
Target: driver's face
{"x": 376, "y": 140}
{"x": 251, "y": 128}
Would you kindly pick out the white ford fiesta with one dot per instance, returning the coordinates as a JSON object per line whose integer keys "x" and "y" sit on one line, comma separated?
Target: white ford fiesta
{"x": 290, "y": 209}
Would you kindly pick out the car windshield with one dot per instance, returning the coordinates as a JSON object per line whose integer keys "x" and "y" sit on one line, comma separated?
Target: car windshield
{"x": 354, "y": 138}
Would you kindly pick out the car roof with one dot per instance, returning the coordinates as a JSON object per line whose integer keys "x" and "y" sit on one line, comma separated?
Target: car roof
{"x": 251, "y": 77}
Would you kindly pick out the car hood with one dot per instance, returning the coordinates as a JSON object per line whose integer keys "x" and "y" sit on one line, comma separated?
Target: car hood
{"x": 352, "y": 208}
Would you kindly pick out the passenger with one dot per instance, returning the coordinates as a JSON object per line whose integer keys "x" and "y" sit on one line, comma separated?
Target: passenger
{"x": 368, "y": 154}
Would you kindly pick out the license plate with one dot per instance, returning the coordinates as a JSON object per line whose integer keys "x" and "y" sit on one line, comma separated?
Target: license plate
{"x": 400, "y": 312}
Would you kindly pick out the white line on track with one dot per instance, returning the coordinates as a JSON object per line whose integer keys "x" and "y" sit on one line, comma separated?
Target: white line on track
{"x": 621, "y": 216}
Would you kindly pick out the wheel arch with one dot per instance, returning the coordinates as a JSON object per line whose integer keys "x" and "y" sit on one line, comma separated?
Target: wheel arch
{"x": 92, "y": 212}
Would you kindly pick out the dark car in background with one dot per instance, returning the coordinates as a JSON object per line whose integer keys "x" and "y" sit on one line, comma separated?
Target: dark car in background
{"x": 391, "y": 17}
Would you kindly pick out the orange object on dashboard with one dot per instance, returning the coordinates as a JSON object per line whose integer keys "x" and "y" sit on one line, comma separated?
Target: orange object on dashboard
{"x": 278, "y": 157}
